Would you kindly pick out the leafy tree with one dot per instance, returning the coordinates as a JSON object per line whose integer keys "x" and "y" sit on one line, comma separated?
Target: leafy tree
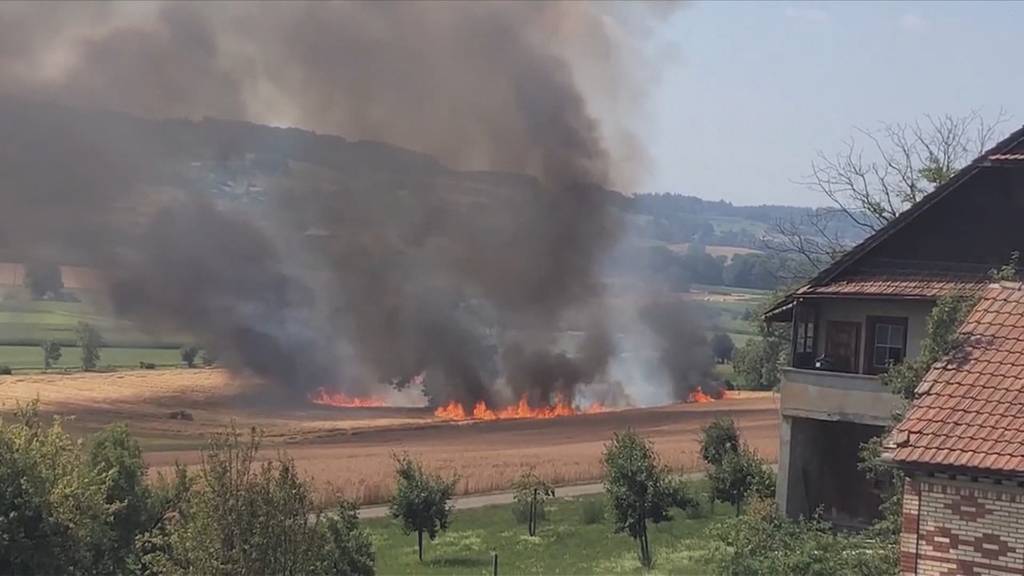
{"x": 531, "y": 493}
{"x": 722, "y": 347}
{"x": 51, "y": 353}
{"x": 89, "y": 341}
{"x": 763, "y": 541}
{"x": 717, "y": 439}
{"x": 758, "y": 363}
{"x": 115, "y": 456}
{"x": 43, "y": 280}
{"x": 350, "y": 550}
{"x": 421, "y": 501}
{"x": 741, "y": 473}
{"x": 639, "y": 489}
{"x": 188, "y": 355}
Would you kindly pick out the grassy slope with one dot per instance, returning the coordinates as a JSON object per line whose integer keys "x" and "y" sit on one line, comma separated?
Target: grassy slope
{"x": 564, "y": 545}
{"x": 26, "y": 322}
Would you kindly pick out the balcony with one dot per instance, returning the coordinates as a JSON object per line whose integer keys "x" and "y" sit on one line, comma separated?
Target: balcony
{"x": 837, "y": 396}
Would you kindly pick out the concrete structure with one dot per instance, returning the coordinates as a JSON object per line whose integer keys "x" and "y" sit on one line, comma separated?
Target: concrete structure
{"x": 868, "y": 311}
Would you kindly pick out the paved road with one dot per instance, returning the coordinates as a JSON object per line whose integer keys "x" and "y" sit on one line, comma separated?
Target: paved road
{"x": 465, "y": 502}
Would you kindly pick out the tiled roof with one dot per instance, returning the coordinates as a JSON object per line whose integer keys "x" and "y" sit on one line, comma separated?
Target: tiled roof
{"x": 1006, "y": 157}
{"x": 898, "y": 283}
{"x": 969, "y": 412}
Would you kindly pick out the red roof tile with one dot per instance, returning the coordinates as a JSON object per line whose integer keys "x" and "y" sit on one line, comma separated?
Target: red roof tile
{"x": 898, "y": 283}
{"x": 970, "y": 408}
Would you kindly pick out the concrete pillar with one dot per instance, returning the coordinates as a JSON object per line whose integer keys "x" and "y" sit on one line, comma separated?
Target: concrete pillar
{"x": 785, "y": 464}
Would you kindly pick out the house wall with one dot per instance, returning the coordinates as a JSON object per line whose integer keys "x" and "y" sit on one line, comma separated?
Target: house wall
{"x": 956, "y": 526}
{"x": 849, "y": 310}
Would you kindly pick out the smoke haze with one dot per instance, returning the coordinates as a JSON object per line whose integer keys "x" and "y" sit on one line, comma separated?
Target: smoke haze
{"x": 381, "y": 271}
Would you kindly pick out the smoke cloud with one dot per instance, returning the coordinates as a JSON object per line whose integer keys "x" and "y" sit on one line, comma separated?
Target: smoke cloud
{"x": 362, "y": 263}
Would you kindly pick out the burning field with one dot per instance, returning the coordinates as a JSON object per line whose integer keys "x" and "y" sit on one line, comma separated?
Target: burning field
{"x": 349, "y": 448}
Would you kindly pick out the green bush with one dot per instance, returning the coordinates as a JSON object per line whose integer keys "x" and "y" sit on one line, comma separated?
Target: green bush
{"x": 422, "y": 501}
{"x": 188, "y": 355}
{"x": 5, "y": 370}
{"x": 742, "y": 474}
{"x": 89, "y": 341}
{"x": 717, "y": 439}
{"x": 762, "y": 541}
{"x": 592, "y": 511}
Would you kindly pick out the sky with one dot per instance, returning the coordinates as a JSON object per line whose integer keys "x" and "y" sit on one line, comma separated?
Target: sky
{"x": 748, "y": 93}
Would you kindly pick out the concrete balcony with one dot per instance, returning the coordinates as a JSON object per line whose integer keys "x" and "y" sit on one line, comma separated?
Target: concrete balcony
{"x": 836, "y": 396}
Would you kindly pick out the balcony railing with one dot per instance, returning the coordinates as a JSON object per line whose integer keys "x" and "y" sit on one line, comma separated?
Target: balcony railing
{"x": 825, "y": 395}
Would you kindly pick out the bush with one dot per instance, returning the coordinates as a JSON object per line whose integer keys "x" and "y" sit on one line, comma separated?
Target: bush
{"x": 350, "y": 549}
{"x": 147, "y": 365}
{"x": 592, "y": 511}
{"x": 762, "y": 541}
{"x": 5, "y": 370}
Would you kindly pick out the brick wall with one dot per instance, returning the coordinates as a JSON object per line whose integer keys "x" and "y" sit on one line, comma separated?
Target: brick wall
{"x": 956, "y": 526}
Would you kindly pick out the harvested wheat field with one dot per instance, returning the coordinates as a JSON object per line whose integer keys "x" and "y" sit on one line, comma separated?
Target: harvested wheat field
{"x": 348, "y": 450}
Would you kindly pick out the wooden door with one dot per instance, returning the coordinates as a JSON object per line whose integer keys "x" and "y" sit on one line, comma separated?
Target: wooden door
{"x": 842, "y": 343}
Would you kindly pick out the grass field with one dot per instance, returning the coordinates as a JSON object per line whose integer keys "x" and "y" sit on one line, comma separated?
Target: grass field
{"x": 564, "y": 544}
{"x": 28, "y": 322}
{"x": 30, "y": 358}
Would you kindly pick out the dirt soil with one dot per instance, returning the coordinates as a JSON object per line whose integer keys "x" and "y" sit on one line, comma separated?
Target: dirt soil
{"x": 349, "y": 450}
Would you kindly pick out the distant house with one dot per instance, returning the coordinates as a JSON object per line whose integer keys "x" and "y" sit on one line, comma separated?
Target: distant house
{"x": 961, "y": 445}
{"x": 868, "y": 311}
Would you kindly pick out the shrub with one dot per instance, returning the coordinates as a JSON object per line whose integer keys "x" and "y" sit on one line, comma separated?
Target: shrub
{"x": 421, "y": 501}
{"x": 762, "y": 541}
{"x": 5, "y": 370}
{"x": 350, "y": 550}
{"x": 89, "y": 341}
{"x": 592, "y": 511}
{"x": 188, "y": 355}
{"x": 147, "y": 365}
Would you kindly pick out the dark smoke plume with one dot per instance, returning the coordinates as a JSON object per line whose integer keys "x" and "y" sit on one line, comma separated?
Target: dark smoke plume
{"x": 390, "y": 267}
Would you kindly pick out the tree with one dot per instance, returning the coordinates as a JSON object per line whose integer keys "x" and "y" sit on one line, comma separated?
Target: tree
{"x": 117, "y": 458}
{"x": 531, "y": 493}
{"x": 43, "y": 280}
{"x": 741, "y": 473}
{"x": 722, "y": 347}
{"x": 421, "y": 501}
{"x": 51, "y": 353}
{"x": 717, "y": 439}
{"x": 758, "y": 363}
{"x": 89, "y": 341}
{"x": 351, "y": 550}
{"x": 639, "y": 489}
{"x": 188, "y": 355}
{"x": 875, "y": 176}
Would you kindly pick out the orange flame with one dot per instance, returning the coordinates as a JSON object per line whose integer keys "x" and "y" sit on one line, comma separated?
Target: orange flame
{"x": 698, "y": 396}
{"x": 521, "y": 409}
{"x": 322, "y": 396}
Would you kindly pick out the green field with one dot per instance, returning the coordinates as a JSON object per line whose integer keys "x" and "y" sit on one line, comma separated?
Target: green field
{"x": 26, "y": 322}
{"x": 30, "y": 358}
{"x": 564, "y": 544}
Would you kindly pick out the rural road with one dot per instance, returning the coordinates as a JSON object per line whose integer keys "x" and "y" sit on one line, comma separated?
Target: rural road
{"x": 479, "y": 501}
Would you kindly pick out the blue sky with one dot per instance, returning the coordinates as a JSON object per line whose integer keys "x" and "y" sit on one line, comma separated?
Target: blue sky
{"x": 752, "y": 90}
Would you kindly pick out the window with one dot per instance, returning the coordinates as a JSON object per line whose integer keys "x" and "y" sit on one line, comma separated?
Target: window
{"x": 888, "y": 344}
{"x": 804, "y": 345}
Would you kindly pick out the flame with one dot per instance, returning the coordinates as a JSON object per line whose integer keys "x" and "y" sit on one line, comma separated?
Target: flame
{"x": 521, "y": 409}
{"x": 322, "y": 396}
{"x": 698, "y": 396}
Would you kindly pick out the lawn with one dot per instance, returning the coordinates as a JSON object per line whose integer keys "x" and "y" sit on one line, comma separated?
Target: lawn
{"x": 564, "y": 544}
{"x": 27, "y": 322}
{"x": 31, "y": 357}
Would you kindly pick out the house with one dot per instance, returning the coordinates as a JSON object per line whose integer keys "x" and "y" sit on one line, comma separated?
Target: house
{"x": 869, "y": 310}
{"x": 961, "y": 445}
